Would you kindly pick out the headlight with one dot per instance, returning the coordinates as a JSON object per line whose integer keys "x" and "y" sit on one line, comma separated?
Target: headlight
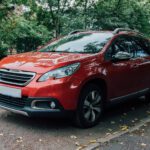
{"x": 60, "y": 72}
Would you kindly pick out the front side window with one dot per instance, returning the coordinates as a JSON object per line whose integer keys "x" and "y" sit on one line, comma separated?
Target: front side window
{"x": 79, "y": 43}
{"x": 122, "y": 44}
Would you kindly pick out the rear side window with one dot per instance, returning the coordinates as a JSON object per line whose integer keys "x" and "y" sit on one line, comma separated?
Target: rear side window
{"x": 147, "y": 46}
{"x": 141, "y": 48}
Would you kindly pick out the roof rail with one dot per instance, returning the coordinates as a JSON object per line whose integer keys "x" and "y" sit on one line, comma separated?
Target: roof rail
{"x": 117, "y": 30}
{"x": 75, "y": 31}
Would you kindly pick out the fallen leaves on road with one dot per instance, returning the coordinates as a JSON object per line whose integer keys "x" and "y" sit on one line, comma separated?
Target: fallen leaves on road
{"x": 77, "y": 143}
{"x": 81, "y": 147}
{"x": 92, "y": 141}
{"x": 73, "y": 137}
{"x": 124, "y": 128}
{"x": 19, "y": 140}
{"x": 108, "y": 133}
{"x": 1, "y": 134}
{"x": 142, "y": 134}
{"x": 40, "y": 140}
{"x": 121, "y": 143}
{"x": 143, "y": 144}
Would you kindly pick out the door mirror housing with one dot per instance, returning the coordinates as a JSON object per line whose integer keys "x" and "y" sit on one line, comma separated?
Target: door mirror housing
{"x": 121, "y": 56}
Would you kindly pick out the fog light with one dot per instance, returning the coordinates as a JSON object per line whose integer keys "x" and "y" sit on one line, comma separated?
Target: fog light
{"x": 52, "y": 105}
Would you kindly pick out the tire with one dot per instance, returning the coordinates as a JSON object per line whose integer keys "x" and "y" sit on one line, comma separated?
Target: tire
{"x": 90, "y": 107}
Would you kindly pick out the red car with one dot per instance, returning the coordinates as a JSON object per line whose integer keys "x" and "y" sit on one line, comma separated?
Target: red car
{"x": 79, "y": 75}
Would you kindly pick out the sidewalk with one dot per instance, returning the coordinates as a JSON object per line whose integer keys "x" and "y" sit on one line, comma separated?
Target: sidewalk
{"x": 137, "y": 140}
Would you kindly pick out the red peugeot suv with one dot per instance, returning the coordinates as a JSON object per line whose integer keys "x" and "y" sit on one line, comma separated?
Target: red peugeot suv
{"x": 78, "y": 74}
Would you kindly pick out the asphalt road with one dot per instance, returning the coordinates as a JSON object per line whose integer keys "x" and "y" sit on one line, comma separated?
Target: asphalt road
{"x": 19, "y": 132}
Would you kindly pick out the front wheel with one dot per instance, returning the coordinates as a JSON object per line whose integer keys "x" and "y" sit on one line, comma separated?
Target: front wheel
{"x": 90, "y": 106}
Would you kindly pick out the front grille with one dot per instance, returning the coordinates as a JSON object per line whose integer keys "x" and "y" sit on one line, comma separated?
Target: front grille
{"x": 16, "y": 77}
{"x": 12, "y": 102}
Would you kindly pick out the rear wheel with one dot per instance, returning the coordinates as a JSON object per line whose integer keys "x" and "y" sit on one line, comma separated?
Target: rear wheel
{"x": 90, "y": 106}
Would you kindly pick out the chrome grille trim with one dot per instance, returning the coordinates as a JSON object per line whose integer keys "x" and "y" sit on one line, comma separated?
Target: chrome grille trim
{"x": 16, "y": 77}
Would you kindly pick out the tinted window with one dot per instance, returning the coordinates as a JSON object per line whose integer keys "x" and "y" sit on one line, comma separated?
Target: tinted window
{"x": 141, "y": 50}
{"x": 121, "y": 44}
{"x": 79, "y": 43}
{"x": 147, "y": 46}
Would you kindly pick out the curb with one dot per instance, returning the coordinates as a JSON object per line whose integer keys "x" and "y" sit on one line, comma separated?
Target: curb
{"x": 111, "y": 137}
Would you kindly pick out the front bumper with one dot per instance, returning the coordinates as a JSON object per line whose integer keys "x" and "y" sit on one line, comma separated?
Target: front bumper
{"x": 24, "y": 107}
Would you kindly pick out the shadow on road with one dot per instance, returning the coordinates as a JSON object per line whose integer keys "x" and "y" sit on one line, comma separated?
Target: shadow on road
{"x": 58, "y": 132}
{"x": 115, "y": 112}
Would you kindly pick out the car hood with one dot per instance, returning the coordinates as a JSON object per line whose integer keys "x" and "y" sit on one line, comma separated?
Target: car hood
{"x": 40, "y": 62}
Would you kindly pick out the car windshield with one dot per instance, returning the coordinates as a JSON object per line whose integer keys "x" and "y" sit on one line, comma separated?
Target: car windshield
{"x": 79, "y": 43}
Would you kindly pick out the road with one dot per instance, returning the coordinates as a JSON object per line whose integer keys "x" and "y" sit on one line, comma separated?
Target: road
{"x": 19, "y": 132}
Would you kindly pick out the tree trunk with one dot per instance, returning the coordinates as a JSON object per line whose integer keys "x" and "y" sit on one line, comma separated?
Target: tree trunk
{"x": 85, "y": 14}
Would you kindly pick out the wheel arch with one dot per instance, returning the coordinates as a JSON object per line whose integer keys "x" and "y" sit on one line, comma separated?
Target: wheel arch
{"x": 100, "y": 82}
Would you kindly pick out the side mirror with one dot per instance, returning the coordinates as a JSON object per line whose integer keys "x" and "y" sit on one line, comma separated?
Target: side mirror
{"x": 121, "y": 56}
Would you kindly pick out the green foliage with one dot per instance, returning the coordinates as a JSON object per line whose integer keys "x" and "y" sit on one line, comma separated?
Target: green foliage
{"x": 22, "y": 34}
{"x": 45, "y": 19}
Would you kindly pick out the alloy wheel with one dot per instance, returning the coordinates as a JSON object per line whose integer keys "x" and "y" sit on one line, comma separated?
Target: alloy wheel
{"x": 92, "y": 106}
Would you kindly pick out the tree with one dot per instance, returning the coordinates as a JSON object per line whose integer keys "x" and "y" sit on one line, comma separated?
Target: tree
{"x": 21, "y": 34}
{"x": 43, "y": 20}
{"x": 122, "y": 13}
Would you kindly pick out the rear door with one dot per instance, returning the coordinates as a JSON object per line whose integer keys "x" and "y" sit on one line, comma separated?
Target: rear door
{"x": 142, "y": 53}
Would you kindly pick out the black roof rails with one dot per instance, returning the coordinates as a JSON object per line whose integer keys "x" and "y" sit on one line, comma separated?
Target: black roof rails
{"x": 75, "y": 31}
{"x": 117, "y": 30}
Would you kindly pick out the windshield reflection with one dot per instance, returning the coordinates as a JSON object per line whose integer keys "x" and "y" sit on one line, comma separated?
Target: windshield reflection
{"x": 79, "y": 43}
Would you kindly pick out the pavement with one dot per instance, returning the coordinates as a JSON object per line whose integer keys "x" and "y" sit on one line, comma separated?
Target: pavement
{"x": 136, "y": 140}
{"x": 22, "y": 133}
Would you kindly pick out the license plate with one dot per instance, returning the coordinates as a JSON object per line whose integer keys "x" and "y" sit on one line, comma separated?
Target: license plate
{"x": 10, "y": 91}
